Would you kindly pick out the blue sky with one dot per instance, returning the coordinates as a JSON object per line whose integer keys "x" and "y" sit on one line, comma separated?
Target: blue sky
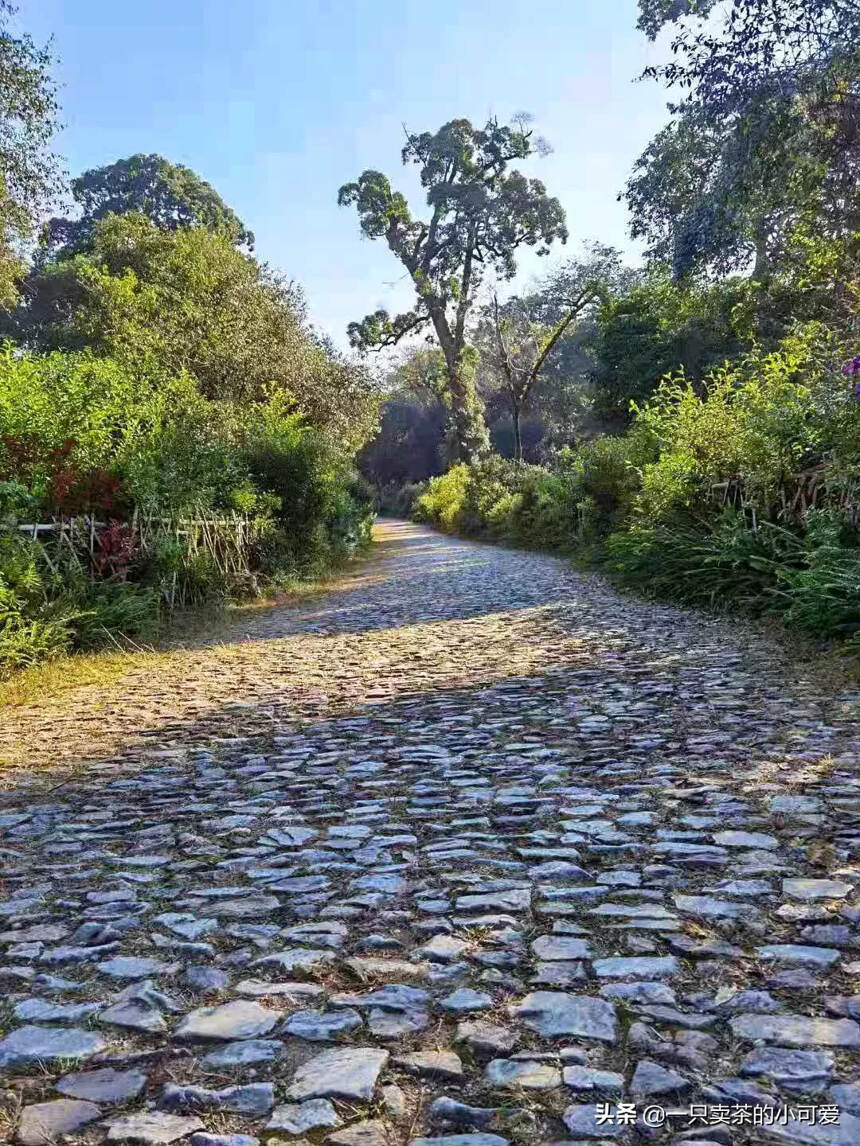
{"x": 279, "y": 102}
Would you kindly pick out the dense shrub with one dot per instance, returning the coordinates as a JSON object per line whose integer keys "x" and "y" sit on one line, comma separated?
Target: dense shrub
{"x": 48, "y": 607}
{"x": 647, "y": 504}
{"x": 758, "y": 421}
{"x": 397, "y": 500}
{"x": 502, "y": 500}
{"x": 81, "y": 435}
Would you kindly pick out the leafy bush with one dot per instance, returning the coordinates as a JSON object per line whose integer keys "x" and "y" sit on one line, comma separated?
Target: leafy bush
{"x": 81, "y": 435}
{"x": 758, "y": 421}
{"x": 725, "y": 562}
{"x": 645, "y": 502}
{"x": 823, "y": 595}
{"x": 48, "y": 607}
{"x": 443, "y": 499}
{"x": 398, "y": 500}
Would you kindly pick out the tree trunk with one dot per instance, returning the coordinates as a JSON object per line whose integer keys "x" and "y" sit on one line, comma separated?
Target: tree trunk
{"x": 467, "y": 428}
{"x": 518, "y": 439}
{"x": 761, "y": 267}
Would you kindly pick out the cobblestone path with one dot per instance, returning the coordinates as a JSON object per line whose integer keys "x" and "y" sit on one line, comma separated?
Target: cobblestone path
{"x": 470, "y": 850}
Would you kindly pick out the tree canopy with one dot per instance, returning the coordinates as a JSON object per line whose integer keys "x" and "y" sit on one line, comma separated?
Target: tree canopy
{"x": 481, "y": 212}
{"x": 765, "y": 137}
{"x": 28, "y": 120}
{"x": 518, "y": 337}
{"x": 187, "y": 299}
{"x": 168, "y": 194}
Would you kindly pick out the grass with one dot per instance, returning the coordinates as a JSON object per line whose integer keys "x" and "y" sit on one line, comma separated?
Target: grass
{"x": 184, "y": 630}
{"x": 31, "y": 685}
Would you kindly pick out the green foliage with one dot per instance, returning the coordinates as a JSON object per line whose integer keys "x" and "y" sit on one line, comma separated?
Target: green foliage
{"x": 443, "y": 500}
{"x": 501, "y": 500}
{"x": 75, "y": 422}
{"x": 396, "y": 500}
{"x": 48, "y": 607}
{"x": 822, "y": 596}
{"x": 764, "y": 138}
{"x": 724, "y": 562}
{"x": 602, "y": 478}
{"x": 648, "y": 502}
{"x": 759, "y": 421}
{"x": 28, "y": 120}
{"x": 657, "y": 328}
{"x": 162, "y": 303}
{"x": 168, "y": 194}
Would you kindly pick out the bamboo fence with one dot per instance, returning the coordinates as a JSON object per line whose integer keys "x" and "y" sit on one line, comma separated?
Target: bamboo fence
{"x": 814, "y": 488}
{"x": 227, "y": 542}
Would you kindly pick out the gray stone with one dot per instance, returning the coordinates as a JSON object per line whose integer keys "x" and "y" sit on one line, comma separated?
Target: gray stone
{"x": 44, "y": 1122}
{"x": 462, "y": 1140}
{"x": 236, "y": 1020}
{"x": 243, "y": 1053}
{"x": 465, "y": 1000}
{"x": 845, "y": 1133}
{"x": 206, "y": 1139}
{"x": 583, "y": 1121}
{"x": 485, "y": 1037}
{"x": 321, "y": 1026}
{"x": 816, "y": 888}
{"x": 797, "y": 1030}
{"x": 430, "y": 1064}
{"x": 289, "y": 991}
{"x": 553, "y": 947}
{"x": 448, "y": 1111}
{"x": 709, "y": 907}
{"x": 579, "y": 1077}
{"x": 553, "y": 1014}
{"x": 394, "y": 1101}
{"x": 732, "y": 839}
{"x": 136, "y": 1016}
{"x": 795, "y": 805}
{"x": 642, "y": 966}
{"x": 300, "y": 1117}
{"x": 105, "y": 1086}
{"x": 345, "y": 1072}
{"x": 642, "y": 992}
{"x": 797, "y": 954}
{"x": 133, "y": 967}
{"x": 846, "y": 1096}
{"x": 151, "y": 1129}
{"x": 443, "y": 948}
{"x": 652, "y": 1078}
{"x": 396, "y": 968}
{"x": 41, "y": 1011}
{"x": 295, "y": 959}
{"x": 788, "y": 1066}
{"x": 252, "y": 1098}
{"x": 525, "y": 1073}
{"x": 518, "y": 899}
{"x": 203, "y": 978}
{"x": 35, "y": 1044}
{"x": 369, "y": 1133}
{"x": 395, "y": 1024}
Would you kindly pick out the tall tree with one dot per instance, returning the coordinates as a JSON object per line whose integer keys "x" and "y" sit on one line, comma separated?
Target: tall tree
{"x": 766, "y": 136}
{"x": 29, "y": 174}
{"x": 519, "y": 336}
{"x": 169, "y": 194}
{"x": 481, "y": 212}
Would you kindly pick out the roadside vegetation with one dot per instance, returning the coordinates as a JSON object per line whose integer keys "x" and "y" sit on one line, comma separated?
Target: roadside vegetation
{"x": 173, "y": 432}
{"x": 691, "y": 425}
